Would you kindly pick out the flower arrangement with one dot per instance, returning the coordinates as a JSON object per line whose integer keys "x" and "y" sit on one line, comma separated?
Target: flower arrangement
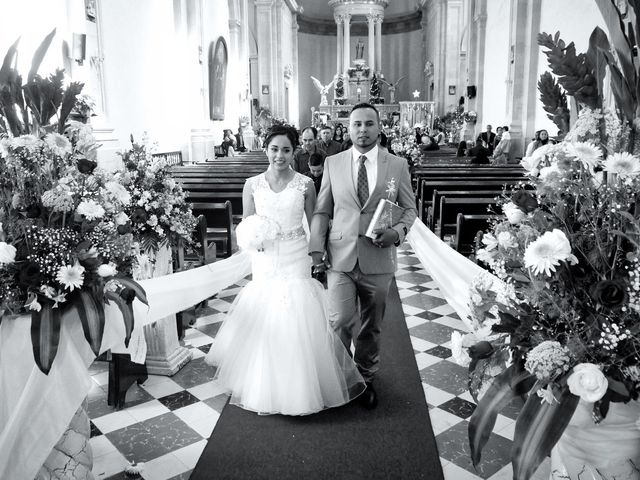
{"x": 255, "y": 232}
{"x": 158, "y": 214}
{"x": 403, "y": 143}
{"x": 61, "y": 254}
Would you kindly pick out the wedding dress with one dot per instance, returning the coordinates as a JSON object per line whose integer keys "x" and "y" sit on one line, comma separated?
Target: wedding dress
{"x": 275, "y": 351}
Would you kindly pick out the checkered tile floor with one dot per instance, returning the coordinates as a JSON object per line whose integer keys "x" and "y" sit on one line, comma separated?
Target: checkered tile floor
{"x": 167, "y": 420}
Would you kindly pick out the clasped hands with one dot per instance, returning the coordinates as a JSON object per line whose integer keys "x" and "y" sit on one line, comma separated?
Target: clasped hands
{"x": 385, "y": 237}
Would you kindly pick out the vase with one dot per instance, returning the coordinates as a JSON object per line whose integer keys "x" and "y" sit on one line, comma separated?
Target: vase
{"x": 165, "y": 355}
{"x": 603, "y": 451}
{"x": 71, "y": 458}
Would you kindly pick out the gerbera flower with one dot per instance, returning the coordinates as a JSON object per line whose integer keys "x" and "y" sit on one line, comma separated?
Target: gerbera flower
{"x": 58, "y": 144}
{"x": 90, "y": 209}
{"x": 71, "y": 276}
{"x": 26, "y": 141}
{"x": 545, "y": 253}
{"x": 118, "y": 192}
{"x": 587, "y": 153}
{"x": 624, "y": 164}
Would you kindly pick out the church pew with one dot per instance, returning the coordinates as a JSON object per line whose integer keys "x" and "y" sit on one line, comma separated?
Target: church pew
{"x": 431, "y": 213}
{"x": 219, "y": 217}
{"x": 467, "y": 228}
{"x": 450, "y": 207}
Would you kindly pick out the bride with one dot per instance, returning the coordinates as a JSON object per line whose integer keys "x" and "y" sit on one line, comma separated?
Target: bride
{"x": 276, "y": 352}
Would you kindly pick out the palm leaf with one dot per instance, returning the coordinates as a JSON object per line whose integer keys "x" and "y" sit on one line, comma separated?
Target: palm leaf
{"x": 38, "y": 56}
{"x": 538, "y": 428}
{"x": 127, "y": 314}
{"x": 45, "y": 336}
{"x": 91, "y": 313}
{"x": 9, "y": 57}
{"x": 68, "y": 102}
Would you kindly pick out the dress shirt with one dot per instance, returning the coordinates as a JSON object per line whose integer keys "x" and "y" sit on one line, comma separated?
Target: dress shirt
{"x": 371, "y": 164}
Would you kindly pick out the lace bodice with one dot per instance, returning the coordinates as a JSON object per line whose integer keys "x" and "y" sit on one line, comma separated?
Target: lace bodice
{"x": 285, "y": 207}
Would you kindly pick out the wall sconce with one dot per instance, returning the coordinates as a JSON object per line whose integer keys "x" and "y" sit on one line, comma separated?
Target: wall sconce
{"x": 79, "y": 47}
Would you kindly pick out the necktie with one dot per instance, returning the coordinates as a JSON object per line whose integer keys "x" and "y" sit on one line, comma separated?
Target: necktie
{"x": 363, "y": 183}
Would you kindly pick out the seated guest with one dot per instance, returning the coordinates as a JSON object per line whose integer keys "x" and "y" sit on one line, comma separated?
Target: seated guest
{"x": 240, "y": 141}
{"x": 327, "y": 144}
{"x": 501, "y": 153}
{"x": 347, "y": 143}
{"x": 541, "y": 138}
{"x": 301, "y": 156}
{"x": 479, "y": 154}
{"x": 316, "y": 169}
{"x": 462, "y": 149}
{"x": 229, "y": 143}
{"x": 428, "y": 143}
{"x": 439, "y": 138}
{"x": 488, "y": 139}
{"x": 496, "y": 141}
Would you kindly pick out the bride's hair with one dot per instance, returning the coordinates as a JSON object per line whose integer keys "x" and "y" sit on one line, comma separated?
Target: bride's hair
{"x": 277, "y": 130}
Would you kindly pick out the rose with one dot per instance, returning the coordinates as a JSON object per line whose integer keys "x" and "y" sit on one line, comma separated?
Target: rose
{"x": 609, "y": 293}
{"x": 124, "y": 229}
{"x": 128, "y": 294}
{"x": 7, "y": 253}
{"x": 513, "y": 213}
{"x": 481, "y": 349}
{"x": 139, "y": 215}
{"x": 524, "y": 201}
{"x": 587, "y": 382}
{"x": 107, "y": 270}
{"x": 29, "y": 275}
{"x": 86, "y": 166}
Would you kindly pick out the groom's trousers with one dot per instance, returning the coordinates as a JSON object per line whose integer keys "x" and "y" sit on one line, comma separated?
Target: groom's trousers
{"x": 346, "y": 290}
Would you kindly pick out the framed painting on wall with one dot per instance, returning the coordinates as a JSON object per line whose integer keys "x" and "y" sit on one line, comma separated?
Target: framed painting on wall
{"x": 218, "y": 58}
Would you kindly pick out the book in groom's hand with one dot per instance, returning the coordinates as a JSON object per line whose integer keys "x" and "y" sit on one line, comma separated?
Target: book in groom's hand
{"x": 387, "y": 214}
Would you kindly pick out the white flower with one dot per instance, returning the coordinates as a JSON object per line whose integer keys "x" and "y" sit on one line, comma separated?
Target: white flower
{"x": 587, "y": 382}
{"x": 27, "y": 141}
{"x": 391, "y": 188}
{"x": 546, "y": 395}
{"x": 459, "y": 354}
{"x": 255, "y": 230}
{"x": 33, "y": 304}
{"x": 539, "y": 153}
{"x": 58, "y": 144}
{"x": 71, "y": 276}
{"x": 530, "y": 164}
{"x": 513, "y": 213}
{"x": 545, "y": 253}
{"x": 118, "y": 192}
{"x": 586, "y": 152}
{"x": 624, "y": 164}
{"x": 7, "y": 253}
{"x": 549, "y": 173}
{"x": 152, "y": 221}
{"x": 90, "y": 209}
{"x": 507, "y": 240}
{"x": 107, "y": 270}
{"x": 490, "y": 241}
{"x": 3, "y": 149}
{"x": 485, "y": 255}
{"x": 121, "y": 219}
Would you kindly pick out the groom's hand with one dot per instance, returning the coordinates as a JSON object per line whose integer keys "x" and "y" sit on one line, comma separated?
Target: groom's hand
{"x": 385, "y": 238}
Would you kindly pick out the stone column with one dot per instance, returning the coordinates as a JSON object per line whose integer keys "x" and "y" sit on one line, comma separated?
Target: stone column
{"x": 339, "y": 44}
{"x": 378, "y": 34}
{"x": 372, "y": 49}
{"x": 294, "y": 107}
{"x": 441, "y": 56}
{"x": 266, "y": 40}
{"x": 478, "y": 46}
{"x": 347, "y": 41}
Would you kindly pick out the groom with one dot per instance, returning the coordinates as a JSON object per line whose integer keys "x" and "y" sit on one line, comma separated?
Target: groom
{"x": 361, "y": 269}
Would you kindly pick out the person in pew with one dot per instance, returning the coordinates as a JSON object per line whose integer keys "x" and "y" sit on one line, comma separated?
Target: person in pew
{"x": 276, "y": 352}
{"x": 240, "y": 141}
{"x": 309, "y": 146}
{"x": 488, "y": 139}
{"x": 541, "y": 139}
{"x": 501, "y": 153}
{"x": 479, "y": 154}
{"x": 462, "y": 149}
{"x": 326, "y": 142}
{"x": 316, "y": 168}
{"x": 347, "y": 144}
{"x": 229, "y": 143}
{"x": 360, "y": 269}
{"x": 496, "y": 141}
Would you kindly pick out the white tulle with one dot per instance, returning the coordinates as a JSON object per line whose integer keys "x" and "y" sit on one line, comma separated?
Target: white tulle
{"x": 276, "y": 352}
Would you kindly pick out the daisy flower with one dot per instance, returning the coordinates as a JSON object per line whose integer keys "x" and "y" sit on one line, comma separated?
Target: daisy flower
{"x": 90, "y": 210}
{"x": 58, "y": 144}
{"x": 545, "y": 253}
{"x": 624, "y": 164}
{"x": 71, "y": 276}
{"x": 586, "y": 152}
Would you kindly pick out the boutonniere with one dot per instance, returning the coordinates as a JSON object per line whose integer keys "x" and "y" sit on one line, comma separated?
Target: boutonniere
{"x": 391, "y": 188}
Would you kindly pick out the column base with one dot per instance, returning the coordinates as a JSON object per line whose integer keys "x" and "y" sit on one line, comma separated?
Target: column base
{"x": 169, "y": 365}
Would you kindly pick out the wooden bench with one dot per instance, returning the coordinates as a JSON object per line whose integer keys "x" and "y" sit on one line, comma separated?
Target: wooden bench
{"x": 431, "y": 216}
{"x": 467, "y": 228}
{"x": 450, "y": 207}
{"x": 219, "y": 217}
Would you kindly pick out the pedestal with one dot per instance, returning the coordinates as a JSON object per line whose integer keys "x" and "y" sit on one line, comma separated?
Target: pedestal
{"x": 249, "y": 137}
{"x": 165, "y": 356}
{"x": 202, "y": 147}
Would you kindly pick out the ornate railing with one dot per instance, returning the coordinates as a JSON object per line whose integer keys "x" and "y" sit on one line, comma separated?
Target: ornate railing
{"x": 340, "y": 113}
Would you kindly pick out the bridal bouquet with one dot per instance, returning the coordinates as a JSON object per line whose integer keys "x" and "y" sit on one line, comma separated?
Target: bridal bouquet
{"x": 255, "y": 232}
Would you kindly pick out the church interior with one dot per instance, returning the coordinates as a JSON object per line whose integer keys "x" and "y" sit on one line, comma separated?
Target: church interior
{"x": 181, "y": 75}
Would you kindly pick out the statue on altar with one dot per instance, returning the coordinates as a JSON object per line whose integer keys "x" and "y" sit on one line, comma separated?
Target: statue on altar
{"x": 323, "y": 89}
{"x": 392, "y": 88}
{"x": 359, "y": 49}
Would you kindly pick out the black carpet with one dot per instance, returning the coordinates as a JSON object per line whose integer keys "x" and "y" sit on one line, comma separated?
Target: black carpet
{"x": 395, "y": 440}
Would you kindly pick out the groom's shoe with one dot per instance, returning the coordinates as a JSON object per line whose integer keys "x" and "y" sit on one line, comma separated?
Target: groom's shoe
{"x": 369, "y": 399}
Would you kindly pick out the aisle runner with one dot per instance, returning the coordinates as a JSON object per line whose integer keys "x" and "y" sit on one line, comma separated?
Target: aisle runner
{"x": 393, "y": 441}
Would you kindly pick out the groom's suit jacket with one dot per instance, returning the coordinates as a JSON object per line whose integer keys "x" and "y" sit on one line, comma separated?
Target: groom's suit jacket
{"x": 343, "y": 237}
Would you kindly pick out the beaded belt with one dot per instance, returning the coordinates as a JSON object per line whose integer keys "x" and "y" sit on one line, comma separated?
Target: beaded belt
{"x": 292, "y": 234}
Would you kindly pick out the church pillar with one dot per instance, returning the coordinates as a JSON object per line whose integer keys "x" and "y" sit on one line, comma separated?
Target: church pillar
{"x": 347, "y": 41}
{"x": 294, "y": 108}
{"x": 523, "y": 94}
{"x": 378, "y": 23}
{"x": 478, "y": 46}
{"x": 372, "y": 51}
{"x": 339, "y": 44}
{"x": 265, "y": 38}
{"x": 441, "y": 56}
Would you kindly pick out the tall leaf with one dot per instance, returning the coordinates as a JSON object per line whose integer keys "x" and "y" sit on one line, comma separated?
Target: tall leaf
{"x": 136, "y": 287}
{"x": 127, "y": 314}
{"x": 38, "y": 56}
{"x": 538, "y": 427}
{"x": 45, "y": 336}
{"x": 91, "y": 313}
{"x": 68, "y": 102}
{"x": 9, "y": 57}
{"x": 483, "y": 419}
{"x": 619, "y": 39}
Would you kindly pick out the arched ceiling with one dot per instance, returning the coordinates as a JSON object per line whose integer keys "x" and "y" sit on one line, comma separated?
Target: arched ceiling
{"x": 320, "y": 9}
